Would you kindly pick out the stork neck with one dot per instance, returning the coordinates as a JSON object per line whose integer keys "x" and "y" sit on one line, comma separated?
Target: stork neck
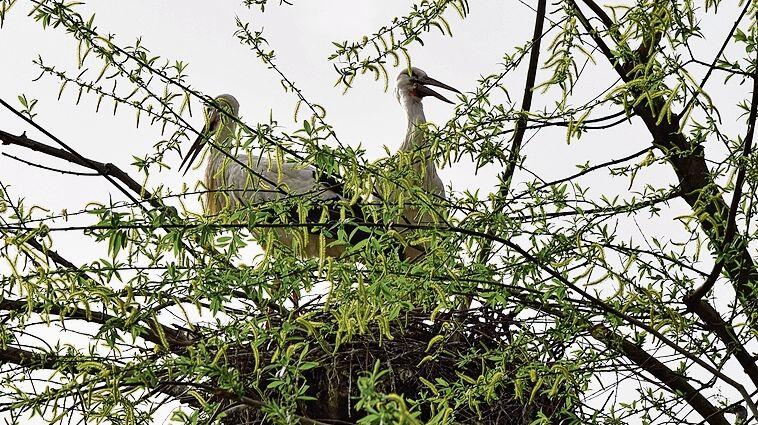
{"x": 415, "y": 113}
{"x": 224, "y": 137}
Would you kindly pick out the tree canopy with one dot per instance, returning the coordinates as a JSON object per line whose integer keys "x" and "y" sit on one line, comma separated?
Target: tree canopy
{"x": 622, "y": 292}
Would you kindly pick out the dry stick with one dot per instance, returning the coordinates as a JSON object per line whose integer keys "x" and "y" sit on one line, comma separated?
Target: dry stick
{"x": 694, "y": 175}
{"x": 520, "y": 130}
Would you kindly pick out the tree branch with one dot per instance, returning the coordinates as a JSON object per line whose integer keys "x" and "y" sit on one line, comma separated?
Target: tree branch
{"x": 105, "y": 169}
{"x": 698, "y": 188}
{"x": 174, "y": 389}
{"x": 731, "y": 224}
{"x": 108, "y": 170}
{"x": 605, "y": 307}
{"x": 724, "y": 331}
{"x": 520, "y": 129}
{"x": 174, "y": 336}
{"x": 677, "y": 383}
{"x": 526, "y": 102}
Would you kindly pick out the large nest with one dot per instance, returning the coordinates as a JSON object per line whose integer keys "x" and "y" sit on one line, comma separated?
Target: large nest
{"x": 408, "y": 357}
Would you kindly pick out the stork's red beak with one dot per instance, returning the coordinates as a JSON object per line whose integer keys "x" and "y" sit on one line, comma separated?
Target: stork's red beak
{"x": 422, "y": 90}
{"x": 197, "y": 147}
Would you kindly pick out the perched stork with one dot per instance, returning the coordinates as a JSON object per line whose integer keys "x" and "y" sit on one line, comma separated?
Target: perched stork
{"x": 233, "y": 180}
{"x": 412, "y": 87}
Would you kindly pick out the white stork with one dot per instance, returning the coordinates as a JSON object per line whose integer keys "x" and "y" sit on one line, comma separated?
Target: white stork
{"x": 237, "y": 180}
{"x": 412, "y": 87}
{"x": 234, "y": 181}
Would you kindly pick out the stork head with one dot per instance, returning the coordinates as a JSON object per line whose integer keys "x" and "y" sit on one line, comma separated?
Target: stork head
{"x": 218, "y": 116}
{"x": 414, "y": 85}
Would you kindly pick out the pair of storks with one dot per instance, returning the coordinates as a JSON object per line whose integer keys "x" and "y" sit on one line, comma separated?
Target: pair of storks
{"x": 238, "y": 180}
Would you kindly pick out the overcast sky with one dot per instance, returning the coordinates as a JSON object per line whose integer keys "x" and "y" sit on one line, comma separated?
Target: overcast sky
{"x": 203, "y": 36}
{"x": 201, "y": 33}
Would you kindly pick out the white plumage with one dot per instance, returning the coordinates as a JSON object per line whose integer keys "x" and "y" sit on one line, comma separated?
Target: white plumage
{"x": 412, "y": 87}
{"x": 238, "y": 180}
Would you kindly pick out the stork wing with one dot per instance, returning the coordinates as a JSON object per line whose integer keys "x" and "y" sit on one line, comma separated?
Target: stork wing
{"x": 264, "y": 181}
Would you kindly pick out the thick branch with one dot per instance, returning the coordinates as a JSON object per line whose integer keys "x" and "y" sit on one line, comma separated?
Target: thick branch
{"x": 677, "y": 383}
{"x": 607, "y": 308}
{"x": 106, "y": 169}
{"x": 731, "y": 222}
{"x": 725, "y": 333}
{"x": 520, "y": 128}
{"x": 526, "y": 102}
{"x": 27, "y": 359}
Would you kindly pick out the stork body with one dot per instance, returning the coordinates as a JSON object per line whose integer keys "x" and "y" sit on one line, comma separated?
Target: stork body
{"x": 235, "y": 181}
{"x": 231, "y": 187}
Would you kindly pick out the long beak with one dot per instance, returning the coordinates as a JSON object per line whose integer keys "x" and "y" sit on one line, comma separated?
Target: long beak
{"x": 197, "y": 147}
{"x": 423, "y": 90}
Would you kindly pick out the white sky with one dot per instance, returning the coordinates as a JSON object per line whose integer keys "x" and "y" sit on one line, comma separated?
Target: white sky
{"x": 201, "y": 33}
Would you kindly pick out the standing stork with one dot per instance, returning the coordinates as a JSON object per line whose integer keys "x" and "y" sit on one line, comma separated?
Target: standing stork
{"x": 412, "y": 88}
{"x": 234, "y": 180}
